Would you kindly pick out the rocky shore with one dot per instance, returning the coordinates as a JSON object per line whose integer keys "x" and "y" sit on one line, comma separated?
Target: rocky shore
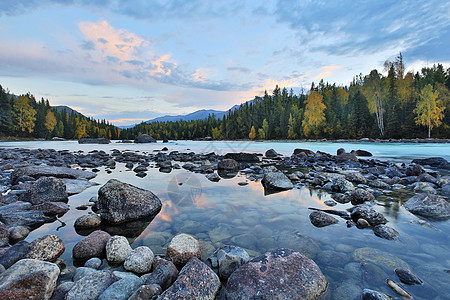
{"x": 35, "y": 186}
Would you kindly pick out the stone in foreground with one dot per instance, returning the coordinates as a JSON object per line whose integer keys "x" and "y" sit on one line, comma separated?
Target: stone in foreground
{"x": 29, "y": 279}
{"x": 280, "y": 274}
{"x": 164, "y": 273}
{"x": 428, "y": 206}
{"x": 196, "y": 281}
{"x": 120, "y": 202}
{"x": 46, "y": 248}
{"x": 91, "y": 246}
{"x": 45, "y": 189}
{"x": 276, "y": 180}
{"x": 229, "y": 258}
{"x": 140, "y": 260}
{"x": 91, "y": 286}
{"x": 117, "y": 249}
{"x": 181, "y": 248}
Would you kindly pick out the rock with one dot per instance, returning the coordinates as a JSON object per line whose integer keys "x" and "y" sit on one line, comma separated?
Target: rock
{"x": 181, "y": 248}
{"x": 228, "y": 164}
{"x": 14, "y": 253}
{"x": 140, "y": 169}
{"x": 94, "y": 141}
{"x": 385, "y": 260}
{"x": 47, "y": 171}
{"x": 346, "y": 157}
{"x": 121, "y": 202}
{"x": 52, "y": 208}
{"x": 139, "y": 260}
{"x": 414, "y": 170}
{"x": 320, "y": 219}
{"x": 305, "y": 152}
{"x": 213, "y": 177}
{"x": 437, "y": 162}
{"x": 407, "y": 277}
{"x": 379, "y": 184}
{"x": 144, "y": 138}
{"x": 355, "y": 177}
{"x": 341, "y": 198}
{"x": 446, "y": 190}
{"x": 281, "y": 274}
{"x": 146, "y": 291}
{"x": 4, "y": 235}
{"x": 367, "y": 213}
{"x": 61, "y": 291}
{"x": 29, "y": 279}
{"x": 46, "y": 248}
{"x": 76, "y": 186}
{"x": 362, "y": 223}
{"x": 29, "y": 218}
{"x": 18, "y": 233}
{"x": 359, "y": 196}
{"x": 88, "y": 221}
{"x": 341, "y": 185}
{"x": 82, "y": 272}
{"x": 276, "y": 180}
{"x": 428, "y": 206}
{"x": 385, "y": 232}
{"x": 164, "y": 273}
{"x": 229, "y": 259}
{"x": 271, "y": 153}
{"x": 243, "y": 157}
{"x": 45, "y": 189}
{"x": 340, "y": 151}
{"x": 195, "y": 274}
{"x": 368, "y": 294}
{"x": 361, "y": 153}
{"x": 122, "y": 289}
{"x": 91, "y": 246}
{"x": 424, "y": 187}
{"x": 117, "y": 249}
{"x": 91, "y": 286}
{"x": 93, "y": 263}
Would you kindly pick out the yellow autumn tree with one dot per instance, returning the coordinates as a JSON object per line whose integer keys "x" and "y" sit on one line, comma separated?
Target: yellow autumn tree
{"x": 314, "y": 113}
{"x": 50, "y": 121}
{"x": 428, "y": 109}
{"x": 24, "y": 114}
{"x": 252, "y": 133}
{"x": 216, "y": 133}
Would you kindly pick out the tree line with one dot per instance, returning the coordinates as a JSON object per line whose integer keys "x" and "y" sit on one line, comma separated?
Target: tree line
{"x": 399, "y": 105}
{"x": 22, "y": 116}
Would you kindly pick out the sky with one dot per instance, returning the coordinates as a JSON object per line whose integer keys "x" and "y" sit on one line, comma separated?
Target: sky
{"x": 127, "y": 61}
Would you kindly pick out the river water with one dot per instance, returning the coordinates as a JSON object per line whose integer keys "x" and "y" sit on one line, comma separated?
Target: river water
{"x": 227, "y": 213}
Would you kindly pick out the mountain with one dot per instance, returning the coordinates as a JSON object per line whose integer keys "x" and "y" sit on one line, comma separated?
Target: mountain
{"x": 197, "y": 115}
{"x": 67, "y": 109}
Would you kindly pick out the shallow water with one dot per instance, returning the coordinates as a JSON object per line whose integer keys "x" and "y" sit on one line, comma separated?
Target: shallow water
{"x": 226, "y": 213}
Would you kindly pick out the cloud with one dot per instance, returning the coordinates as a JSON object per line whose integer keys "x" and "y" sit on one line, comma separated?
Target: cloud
{"x": 327, "y": 71}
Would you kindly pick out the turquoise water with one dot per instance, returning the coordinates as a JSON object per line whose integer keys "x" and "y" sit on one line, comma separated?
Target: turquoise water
{"x": 226, "y": 213}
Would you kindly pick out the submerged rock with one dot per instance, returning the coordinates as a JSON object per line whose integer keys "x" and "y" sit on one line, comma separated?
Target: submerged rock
{"x": 407, "y": 277}
{"x": 321, "y": 219}
{"x": 282, "y": 274}
{"x": 196, "y": 281}
{"x": 380, "y": 258}
{"x": 385, "y": 232}
{"x": 120, "y": 202}
{"x": 429, "y": 206}
{"x": 29, "y": 279}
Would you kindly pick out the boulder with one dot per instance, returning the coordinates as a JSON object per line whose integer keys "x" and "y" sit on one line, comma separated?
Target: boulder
{"x": 146, "y": 291}
{"x": 361, "y": 152}
{"x": 45, "y": 189}
{"x": 144, "y": 138}
{"x": 407, "y": 276}
{"x": 28, "y": 218}
{"x": 76, "y": 186}
{"x": 14, "y": 253}
{"x": 243, "y": 157}
{"x": 94, "y": 141}
{"x": 385, "y": 232}
{"x": 214, "y": 177}
{"x": 414, "y": 170}
{"x": 321, "y": 219}
{"x": 61, "y": 291}
{"x": 52, "y": 208}
{"x": 93, "y": 263}
{"x": 362, "y": 211}
{"x": 181, "y": 248}
{"x": 139, "y": 260}
{"x": 46, "y": 248}
{"x": 437, "y": 162}
{"x": 228, "y": 164}
{"x": 88, "y": 221}
{"x": 47, "y": 171}
{"x": 164, "y": 273}
{"x": 120, "y": 202}
{"x": 271, "y": 153}
{"x": 280, "y": 274}
{"x": 341, "y": 185}
{"x": 91, "y": 246}
{"x": 196, "y": 281}
{"x": 18, "y": 233}
{"x": 82, "y": 272}
{"x": 424, "y": 187}
{"x": 346, "y": 157}
{"x": 117, "y": 249}
{"x": 368, "y": 294}
{"x": 359, "y": 196}
{"x": 122, "y": 289}
{"x": 306, "y": 152}
{"x": 275, "y": 180}
{"x": 91, "y": 286}
{"x": 229, "y": 258}
{"x": 29, "y": 279}
{"x": 4, "y": 235}
{"x": 355, "y": 177}
{"x": 428, "y": 206}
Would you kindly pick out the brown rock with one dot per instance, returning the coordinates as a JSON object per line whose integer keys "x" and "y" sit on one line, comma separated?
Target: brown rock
{"x": 91, "y": 246}
{"x": 182, "y": 248}
{"x": 46, "y": 248}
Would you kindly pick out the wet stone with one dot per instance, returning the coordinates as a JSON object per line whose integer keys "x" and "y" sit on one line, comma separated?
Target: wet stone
{"x": 164, "y": 273}
{"x": 46, "y": 248}
{"x": 181, "y": 248}
{"x": 91, "y": 246}
{"x": 117, "y": 249}
{"x": 407, "y": 277}
{"x": 321, "y": 219}
{"x": 385, "y": 232}
{"x": 146, "y": 291}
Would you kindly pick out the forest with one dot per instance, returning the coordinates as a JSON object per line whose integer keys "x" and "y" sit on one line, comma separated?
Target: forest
{"x": 399, "y": 105}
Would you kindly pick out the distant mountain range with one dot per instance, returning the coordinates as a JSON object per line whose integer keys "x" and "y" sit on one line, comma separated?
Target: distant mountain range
{"x": 67, "y": 109}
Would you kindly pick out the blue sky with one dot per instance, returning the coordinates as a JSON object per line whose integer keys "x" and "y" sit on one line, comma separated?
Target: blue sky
{"x": 128, "y": 61}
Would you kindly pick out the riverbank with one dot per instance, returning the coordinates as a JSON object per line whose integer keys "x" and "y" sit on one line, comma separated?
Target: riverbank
{"x": 356, "y": 183}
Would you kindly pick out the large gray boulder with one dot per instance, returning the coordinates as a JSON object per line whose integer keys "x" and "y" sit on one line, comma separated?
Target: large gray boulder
{"x": 139, "y": 260}
{"x": 45, "y": 189}
{"x": 276, "y": 180}
{"x": 29, "y": 279}
{"x": 144, "y": 138}
{"x": 228, "y": 164}
{"x": 242, "y": 157}
{"x": 362, "y": 211}
{"x": 280, "y": 274}
{"x": 120, "y": 202}
{"x": 196, "y": 281}
{"x": 91, "y": 286}
{"x": 122, "y": 289}
{"x": 428, "y": 206}
{"x": 117, "y": 249}
{"x": 14, "y": 253}
{"x": 51, "y": 171}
